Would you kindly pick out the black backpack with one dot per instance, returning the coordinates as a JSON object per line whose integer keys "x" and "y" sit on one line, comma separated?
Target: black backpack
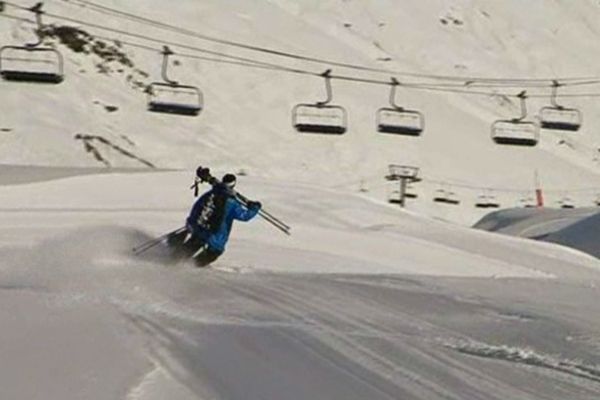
{"x": 213, "y": 211}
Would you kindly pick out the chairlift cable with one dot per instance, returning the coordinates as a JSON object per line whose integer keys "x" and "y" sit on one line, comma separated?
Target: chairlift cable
{"x": 194, "y": 56}
{"x": 144, "y": 37}
{"x": 241, "y": 59}
{"x": 151, "y": 22}
{"x": 22, "y": 19}
{"x": 423, "y": 86}
{"x": 248, "y": 62}
{"x": 188, "y": 32}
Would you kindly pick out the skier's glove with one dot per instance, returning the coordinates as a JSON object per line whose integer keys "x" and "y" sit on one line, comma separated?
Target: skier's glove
{"x": 254, "y": 205}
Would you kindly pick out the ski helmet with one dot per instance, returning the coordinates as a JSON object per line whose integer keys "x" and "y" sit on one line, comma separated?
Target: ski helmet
{"x": 229, "y": 180}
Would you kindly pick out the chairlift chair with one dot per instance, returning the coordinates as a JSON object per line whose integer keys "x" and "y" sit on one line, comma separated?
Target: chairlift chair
{"x": 486, "y": 201}
{"x": 174, "y": 99}
{"x": 527, "y": 202}
{"x": 445, "y": 197}
{"x": 171, "y": 97}
{"x": 482, "y": 201}
{"x": 516, "y": 131}
{"x": 394, "y": 197}
{"x": 320, "y": 117}
{"x": 492, "y": 202}
{"x": 558, "y": 117}
{"x": 398, "y": 120}
{"x": 566, "y": 202}
{"x": 410, "y": 192}
{"x": 452, "y": 198}
{"x": 32, "y": 62}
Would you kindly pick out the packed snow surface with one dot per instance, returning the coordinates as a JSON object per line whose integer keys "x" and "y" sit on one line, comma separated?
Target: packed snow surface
{"x": 362, "y": 301}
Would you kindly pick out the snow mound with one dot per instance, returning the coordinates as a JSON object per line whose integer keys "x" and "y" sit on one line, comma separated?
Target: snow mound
{"x": 575, "y": 228}
{"x": 581, "y": 235}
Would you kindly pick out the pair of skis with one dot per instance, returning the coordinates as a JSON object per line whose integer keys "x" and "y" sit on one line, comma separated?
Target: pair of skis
{"x": 203, "y": 175}
{"x": 139, "y": 249}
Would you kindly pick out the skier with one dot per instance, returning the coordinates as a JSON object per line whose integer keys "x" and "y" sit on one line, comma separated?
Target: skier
{"x": 209, "y": 224}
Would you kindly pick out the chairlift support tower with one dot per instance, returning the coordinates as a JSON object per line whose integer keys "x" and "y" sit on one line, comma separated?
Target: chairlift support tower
{"x": 32, "y": 62}
{"x": 402, "y": 174}
{"x": 321, "y": 117}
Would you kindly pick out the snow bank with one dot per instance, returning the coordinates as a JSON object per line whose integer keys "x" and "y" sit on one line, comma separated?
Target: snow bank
{"x": 582, "y": 235}
{"x": 575, "y": 228}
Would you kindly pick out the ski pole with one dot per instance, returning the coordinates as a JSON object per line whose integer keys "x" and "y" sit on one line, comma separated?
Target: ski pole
{"x": 264, "y": 213}
{"x": 267, "y": 217}
{"x": 153, "y": 242}
{"x": 276, "y": 224}
{"x": 270, "y": 216}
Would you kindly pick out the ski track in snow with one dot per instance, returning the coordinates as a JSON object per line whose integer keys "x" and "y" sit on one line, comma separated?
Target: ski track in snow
{"x": 212, "y": 333}
{"x": 528, "y": 357}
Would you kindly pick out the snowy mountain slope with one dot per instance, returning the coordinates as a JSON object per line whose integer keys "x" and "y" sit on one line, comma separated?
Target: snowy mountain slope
{"x": 248, "y": 110}
{"x": 327, "y": 312}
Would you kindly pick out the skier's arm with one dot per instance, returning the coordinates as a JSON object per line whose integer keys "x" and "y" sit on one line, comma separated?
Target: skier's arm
{"x": 242, "y": 213}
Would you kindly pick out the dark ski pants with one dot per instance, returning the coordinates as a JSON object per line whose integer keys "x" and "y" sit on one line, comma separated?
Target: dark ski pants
{"x": 193, "y": 247}
{"x": 206, "y": 256}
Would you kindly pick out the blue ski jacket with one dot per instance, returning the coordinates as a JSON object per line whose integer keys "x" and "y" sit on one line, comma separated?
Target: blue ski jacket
{"x": 232, "y": 210}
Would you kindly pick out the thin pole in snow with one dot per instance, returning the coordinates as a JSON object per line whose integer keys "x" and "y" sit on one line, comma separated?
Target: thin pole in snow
{"x": 539, "y": 195}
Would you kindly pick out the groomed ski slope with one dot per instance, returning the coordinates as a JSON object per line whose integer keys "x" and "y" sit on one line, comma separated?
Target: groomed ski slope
{"x": 362, "y": 301}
